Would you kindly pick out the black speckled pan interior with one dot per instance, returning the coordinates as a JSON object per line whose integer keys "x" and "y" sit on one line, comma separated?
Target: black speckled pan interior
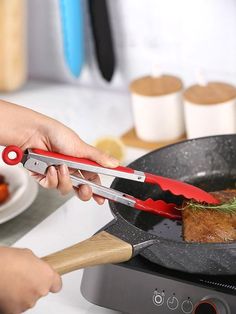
{"x": 209, "y": 163}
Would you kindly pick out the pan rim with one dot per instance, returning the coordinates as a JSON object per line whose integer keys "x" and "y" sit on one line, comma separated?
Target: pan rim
{"x": 211, "y": 245}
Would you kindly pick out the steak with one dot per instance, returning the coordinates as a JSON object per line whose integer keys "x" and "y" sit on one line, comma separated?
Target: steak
{"x": 208, "y": 225}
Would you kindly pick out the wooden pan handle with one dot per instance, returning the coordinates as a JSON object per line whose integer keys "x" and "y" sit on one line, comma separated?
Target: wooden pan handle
{"x": 102, "y": 248}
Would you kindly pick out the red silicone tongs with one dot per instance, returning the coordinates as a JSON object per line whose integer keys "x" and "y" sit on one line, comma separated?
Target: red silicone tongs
{"x": 38, "y": 161}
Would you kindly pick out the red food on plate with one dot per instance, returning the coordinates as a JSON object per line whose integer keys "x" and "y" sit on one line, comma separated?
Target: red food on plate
{"x": 4, "y": 191}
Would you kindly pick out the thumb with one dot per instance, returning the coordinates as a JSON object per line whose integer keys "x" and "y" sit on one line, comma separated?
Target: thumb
{"x": 92, "y": 153}
{"x": 56, "y": 283}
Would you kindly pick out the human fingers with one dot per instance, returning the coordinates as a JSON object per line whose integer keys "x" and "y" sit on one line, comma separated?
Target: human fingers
{"x": 50, "y": 180}
{"x": 93, "y": 177}
{"x": 84, "y": 192}
{"x": 56, "y": 283}
{"x": 64, "y": 182}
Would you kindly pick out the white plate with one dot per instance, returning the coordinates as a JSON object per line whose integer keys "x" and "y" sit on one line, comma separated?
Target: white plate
{"x": 14, "y": 209}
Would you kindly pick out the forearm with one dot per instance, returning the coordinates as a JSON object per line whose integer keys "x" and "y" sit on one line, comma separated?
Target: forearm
{"x": 19, "y": 124}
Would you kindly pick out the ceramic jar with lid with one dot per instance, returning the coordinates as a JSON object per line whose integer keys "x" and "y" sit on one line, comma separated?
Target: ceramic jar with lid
{"x": 210, "y": 109}
{"x": 157, "y": 107}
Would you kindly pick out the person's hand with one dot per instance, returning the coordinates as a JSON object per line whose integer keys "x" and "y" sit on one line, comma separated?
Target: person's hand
{"x": 24, "y": 279}
{"x": 29, "y": 129}
{"x": 58, "y": 138}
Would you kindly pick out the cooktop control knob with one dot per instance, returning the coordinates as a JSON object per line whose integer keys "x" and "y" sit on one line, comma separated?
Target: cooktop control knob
{"x": 158, "y": 298}
{"x": 210, "y": 306}
{"x": 187, "y": 306}
{"x": 172, "y": 303}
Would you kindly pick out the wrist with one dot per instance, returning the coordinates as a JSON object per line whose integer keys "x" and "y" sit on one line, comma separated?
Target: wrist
{"x": 19, "y": 125}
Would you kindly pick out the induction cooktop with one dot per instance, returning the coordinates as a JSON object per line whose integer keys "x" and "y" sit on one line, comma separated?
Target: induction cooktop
{"x": 141, "y": 287}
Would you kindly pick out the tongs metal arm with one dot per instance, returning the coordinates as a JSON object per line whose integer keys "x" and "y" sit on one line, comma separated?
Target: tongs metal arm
{"x": 159, "y": 207}
{"x": 47, "y": 159}
{"x": 105, "y": 192}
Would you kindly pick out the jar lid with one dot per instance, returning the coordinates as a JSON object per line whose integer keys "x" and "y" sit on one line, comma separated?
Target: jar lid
{"x": 156, "y": 86}
{"x": 212, "y": 93}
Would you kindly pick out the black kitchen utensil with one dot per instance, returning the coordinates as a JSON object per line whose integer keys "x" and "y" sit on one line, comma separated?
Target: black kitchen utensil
{"x": 102, "y": 35}
{"x": 209, "y": 163}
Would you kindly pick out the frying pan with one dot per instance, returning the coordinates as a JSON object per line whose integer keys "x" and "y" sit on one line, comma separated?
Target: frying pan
{"x": 209, "y": 163}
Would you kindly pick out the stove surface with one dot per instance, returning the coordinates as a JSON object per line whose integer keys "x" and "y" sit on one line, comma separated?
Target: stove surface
{"x": 141, "y": 287}
{"x": 221, "y": 283}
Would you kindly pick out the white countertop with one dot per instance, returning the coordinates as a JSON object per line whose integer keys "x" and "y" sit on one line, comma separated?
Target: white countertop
{"x": 91, "y": 113}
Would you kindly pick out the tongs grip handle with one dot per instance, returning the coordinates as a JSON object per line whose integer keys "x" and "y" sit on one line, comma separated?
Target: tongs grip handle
{"x": 51, "y": 158}
{"x": 78, "y": 160}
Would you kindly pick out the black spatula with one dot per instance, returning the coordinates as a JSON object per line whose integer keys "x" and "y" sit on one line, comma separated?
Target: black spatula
{"x": 102, "y": 37}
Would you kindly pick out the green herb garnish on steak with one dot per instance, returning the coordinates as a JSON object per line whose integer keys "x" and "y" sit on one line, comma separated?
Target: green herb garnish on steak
{"x": 228, "y": 207}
